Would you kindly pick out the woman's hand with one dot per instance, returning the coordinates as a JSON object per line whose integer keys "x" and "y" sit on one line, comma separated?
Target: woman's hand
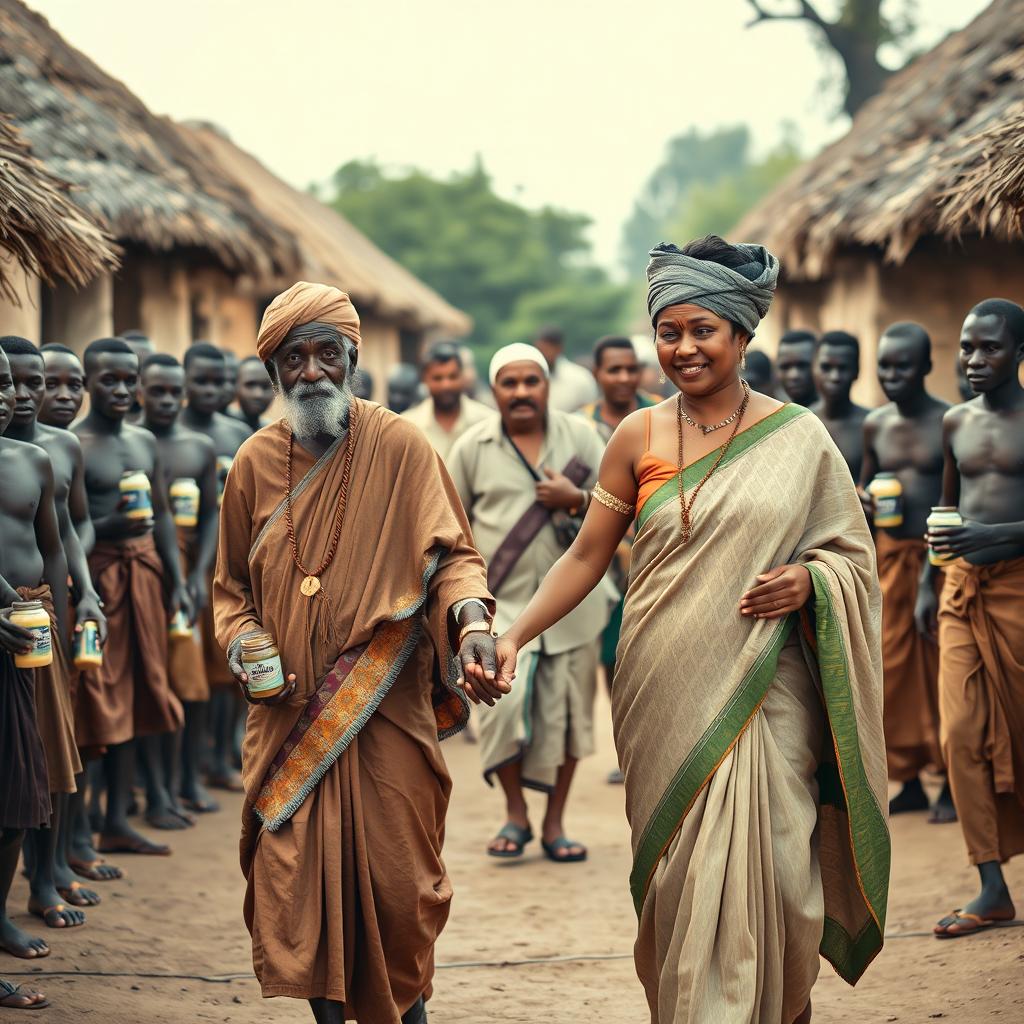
{"x": 506, "y": 650}
{"x": 779, "y": 592}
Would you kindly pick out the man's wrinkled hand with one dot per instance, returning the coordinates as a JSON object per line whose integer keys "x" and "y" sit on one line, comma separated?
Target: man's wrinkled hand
{"x": 14, "y": 639}
{"x": 479, "y": 664}
{"x": 558, "y": 491}
{"x": 237, "y": 669}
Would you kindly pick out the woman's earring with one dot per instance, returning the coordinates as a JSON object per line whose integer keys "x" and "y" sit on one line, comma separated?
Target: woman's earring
{"x": 661, "y": 379}
{"x": 743, "y": 359}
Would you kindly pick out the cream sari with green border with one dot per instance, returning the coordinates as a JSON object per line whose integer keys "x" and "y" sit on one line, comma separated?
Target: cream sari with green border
{"x": 753, "y": 750}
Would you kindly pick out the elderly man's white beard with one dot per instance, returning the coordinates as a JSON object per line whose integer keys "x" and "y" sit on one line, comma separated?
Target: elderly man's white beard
{"x": 318, "y": 409}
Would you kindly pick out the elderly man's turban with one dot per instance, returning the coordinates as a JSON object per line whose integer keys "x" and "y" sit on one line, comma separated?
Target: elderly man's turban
{"x": 742, "y": 295}
{"x": 305, "y": 303}
{"x": 517, "y": 352}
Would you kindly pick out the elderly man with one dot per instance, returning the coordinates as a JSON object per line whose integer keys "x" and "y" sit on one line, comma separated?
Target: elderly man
{"x": 342, "y": 537}
{"x": 447, "y": 412}
{"x": 523, "y": 477}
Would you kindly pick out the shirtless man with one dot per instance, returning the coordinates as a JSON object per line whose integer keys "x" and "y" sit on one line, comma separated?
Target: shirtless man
{"x": 134, "y": 564}
{"x": 205, "y": 381}
{"x": 231, "y": 368}
{"x": 61, "y": 403}
{"x": 254, "y": 392}
{"x": 905, "y": 438}
{"x": 50, "y": 877}
{"x": 141, "y": 345}
{"x": 981, "y": 629}
{"x": 836, "y": 367}
{"x": 185, "y": 455}
{"x": 30, "y": 555}
{"x": 794, "y": 364}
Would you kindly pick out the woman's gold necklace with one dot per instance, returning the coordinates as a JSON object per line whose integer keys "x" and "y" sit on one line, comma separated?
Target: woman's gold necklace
{"x": 686, "y": 508}
{"x": 311, "y": 583}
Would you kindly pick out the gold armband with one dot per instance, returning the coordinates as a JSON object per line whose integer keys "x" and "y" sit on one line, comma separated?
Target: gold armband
{"x": 611, "y": 502}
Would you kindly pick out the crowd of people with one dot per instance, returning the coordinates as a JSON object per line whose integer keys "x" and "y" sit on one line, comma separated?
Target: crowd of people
{"x": 499, "y": 545}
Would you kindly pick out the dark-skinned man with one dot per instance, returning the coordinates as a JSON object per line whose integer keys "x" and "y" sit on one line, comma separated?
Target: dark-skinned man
{"x": 836, "y": 367}
{"x": 403, "y": 386}
{"x": 143, "y": 348}
{"x": 981, "y": 628}
{"x": 447, "y": 412}
{"x": 50, "y": 877}
{"x": 205, "y": 381}
{"x": 31, "y": 559}
{"x": 62, "y": 401}
{"x": 904, "y": 438}
{"x": 505, "y": 469}
{"x": 794, "y": 364}
{"x": 617, "y": 372}
{"x": 570, "y": 385}
{"x": 254, "y": 393}
{"x": 134, "y": 566}
{"x": 231, "y": 367}
{"x": 190, "y": 468}
{"x": 343, "y": 540}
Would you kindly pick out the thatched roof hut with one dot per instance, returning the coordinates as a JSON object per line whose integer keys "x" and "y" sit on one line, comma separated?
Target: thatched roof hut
{"x": 132, "y": 170}
{"x": 40, "y": 228}
{"x": 918, "y": 211}
{"x": 330, "y": 248}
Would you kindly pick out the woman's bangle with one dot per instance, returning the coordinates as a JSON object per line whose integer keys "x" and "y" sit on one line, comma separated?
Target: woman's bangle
{"x": 609, "y": 501}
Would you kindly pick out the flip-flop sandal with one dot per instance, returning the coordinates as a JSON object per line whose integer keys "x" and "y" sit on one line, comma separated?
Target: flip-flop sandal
{"x": 9, "y": 992}
{"x": 88, "y": 869}
{"x": 78, "y": 896}
{"x": 126, "y": 844}
{"x": 515, "y": 834}
{"x": 561, "y": 843}
{"x": 52, "y": 915}
{"x": 966, "y": 923}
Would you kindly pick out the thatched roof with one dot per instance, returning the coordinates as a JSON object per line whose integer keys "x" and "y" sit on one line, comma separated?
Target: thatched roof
{"x": 45, "y": 233}
{"x": 132, "y": 171}
{"x": 912, "y": 163}
{"x": 332, "y": 250}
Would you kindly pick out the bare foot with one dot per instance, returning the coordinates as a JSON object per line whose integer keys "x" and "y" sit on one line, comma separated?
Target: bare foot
{"x": 21, "y": 944}
{"x": 198, "y": 799}
{"x": 78, "y": 895}
{"x": 92, "y": 866}
{"x": 53, "y": 913}
{"x": 165, "y": 818}
{"x": 18, "y": 997}
{"x": 943, "y": 811}
{"x": 127, "y": 840}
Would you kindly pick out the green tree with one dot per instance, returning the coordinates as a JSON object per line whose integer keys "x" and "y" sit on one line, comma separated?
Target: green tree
{"x": 485, "y": 254}
{"x": 855, "y": 36}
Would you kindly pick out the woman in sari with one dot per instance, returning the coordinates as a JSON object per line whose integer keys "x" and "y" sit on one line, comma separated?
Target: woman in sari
{"x": 747, "y": 694}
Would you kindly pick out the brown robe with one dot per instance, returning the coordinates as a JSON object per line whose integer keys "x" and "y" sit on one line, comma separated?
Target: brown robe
{"x": 55, "y": 714}
{"x": 346, "y": 898}
{"x": 215, "y": 661}
{"x": 24, "y": 791}
{"x": 128, "y": 695}
{"x": 910, "y": 663}
{"x": 184, "y": 653}
{"x": 981, "y": 696}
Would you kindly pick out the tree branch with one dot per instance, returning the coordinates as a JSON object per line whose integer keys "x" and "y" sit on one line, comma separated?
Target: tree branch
{"x": 807, "y": 12}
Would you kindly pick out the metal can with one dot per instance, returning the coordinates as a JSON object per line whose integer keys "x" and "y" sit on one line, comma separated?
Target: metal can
{"x": 180, "y": 626}
{"x": 185, "y": 502}
{"x": 88, "y": 653}
{"x": 31, "y": 615}
{"x": 943, "y": 515}
{"x": 887, "y": 491}
{"x": 262, "y": 663}
{"x": 135, "y": 489}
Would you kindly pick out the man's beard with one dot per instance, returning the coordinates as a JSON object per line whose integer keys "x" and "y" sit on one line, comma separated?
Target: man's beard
{"x": 317, "y": 409}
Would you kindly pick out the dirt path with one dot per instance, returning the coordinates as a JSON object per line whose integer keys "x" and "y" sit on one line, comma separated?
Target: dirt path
{"x": 182, "y": 916}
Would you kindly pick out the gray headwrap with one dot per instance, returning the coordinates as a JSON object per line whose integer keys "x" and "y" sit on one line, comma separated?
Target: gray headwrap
{"x": 742, "y": 295}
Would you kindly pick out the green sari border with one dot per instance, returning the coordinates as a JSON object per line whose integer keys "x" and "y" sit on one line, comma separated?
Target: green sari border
{"x": 702, "y": 763}
{"x": 743, "y": 442}
{"x": 869, "y": 835}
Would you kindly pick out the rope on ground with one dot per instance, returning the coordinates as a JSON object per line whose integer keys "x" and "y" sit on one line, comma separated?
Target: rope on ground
{"x": 570, "y": 958}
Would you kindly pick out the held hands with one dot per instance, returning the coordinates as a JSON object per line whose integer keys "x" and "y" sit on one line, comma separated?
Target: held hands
{"x": 960, "y": 540}
{"x": 237, "y": 669}
{"x": 779, "y": 591}
{"x": 558, "y": 491}
{"x": 478, "y": 658}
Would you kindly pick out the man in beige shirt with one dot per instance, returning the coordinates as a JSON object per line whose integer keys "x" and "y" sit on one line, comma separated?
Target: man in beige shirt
{"x": 447, "y": 413}
{"x": 522, "y": 477}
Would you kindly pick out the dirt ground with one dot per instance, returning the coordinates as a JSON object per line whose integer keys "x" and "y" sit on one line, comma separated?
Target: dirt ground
{"x": 181, "y": 917}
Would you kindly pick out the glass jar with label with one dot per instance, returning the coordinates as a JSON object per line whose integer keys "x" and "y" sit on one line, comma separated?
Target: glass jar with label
{"x": 136, "y": 492}
{"x": 88, "y": 653}
{"x": 31, "y": 615}
{"x": 262, "y": 663}
{"x": 887, "y": 491}
{"x": 185, "y": 502}
{"x": 943, "y": 515}
{"x": 180, "y": 627}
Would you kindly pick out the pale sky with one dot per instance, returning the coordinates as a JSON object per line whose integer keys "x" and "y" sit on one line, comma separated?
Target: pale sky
{"x": 569, "y": 102}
